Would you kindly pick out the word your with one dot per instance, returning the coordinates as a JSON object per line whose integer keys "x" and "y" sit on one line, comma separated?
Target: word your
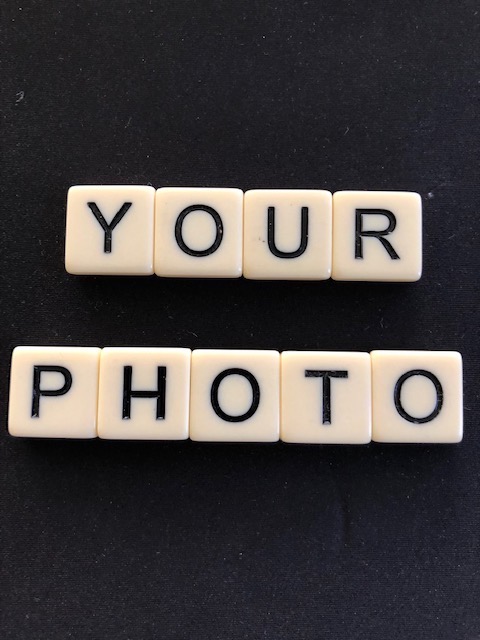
{"x": 236, "y": 396}
{"x": 270, "y": 234}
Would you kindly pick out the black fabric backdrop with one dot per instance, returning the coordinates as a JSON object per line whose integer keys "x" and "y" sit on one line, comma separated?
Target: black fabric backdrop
{"x": 196, "y": 541}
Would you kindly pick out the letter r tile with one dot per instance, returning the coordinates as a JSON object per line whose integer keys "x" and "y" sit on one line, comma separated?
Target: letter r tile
{"x": 110, "y": 230}
{"x": 53, "y": 392}
{"x": 377, "y": 236}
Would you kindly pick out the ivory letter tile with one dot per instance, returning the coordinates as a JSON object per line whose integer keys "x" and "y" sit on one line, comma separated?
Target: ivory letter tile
{"x": 144, "y": 393}
{"x": 417, "y": 396}
{"x": 110, "y": 230}
{"x": 198, "y": 232}
{"x": 53, "y": 392}
{"x": 287, "y": 234}
{"x": 377, "y": 236}
{"x": 235, "y": 396}
{"x": 326, "y": 397}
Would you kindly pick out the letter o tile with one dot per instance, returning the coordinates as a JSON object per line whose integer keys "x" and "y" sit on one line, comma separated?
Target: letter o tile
{"x": 235, "y": 395}
{"x": 417, "y": 396}
{"x": 198, "y": 232}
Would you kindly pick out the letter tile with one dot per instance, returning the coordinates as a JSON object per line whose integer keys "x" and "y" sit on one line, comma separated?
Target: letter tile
{"x": 198, "y": 232}
{"x": 377, "y": 236}
{"x": 417, "y": 396}
{"x": 287, "y": 234}
{"x": 235, "y": 396}
{"x": 53, "y": 392}
{"x": 326, "y": 397}
{"x": 110, "y": 230}
{"x": 144, "y": 393}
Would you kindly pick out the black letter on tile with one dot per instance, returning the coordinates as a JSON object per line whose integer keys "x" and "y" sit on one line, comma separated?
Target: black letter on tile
{"x": 255, "y": 395}
{"x": 37, "y": 391}
{"x": 219, "y": 231}
{"x": 327, "y": 395}
{"x": 360, "y": 233}
{"x": 159, "y": 394}
{"x": 108, "y": 228}
{"x": 303, "y": 235}
{"x": 398, "y": 391}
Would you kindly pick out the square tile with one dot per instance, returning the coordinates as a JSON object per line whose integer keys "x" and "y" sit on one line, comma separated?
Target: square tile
{"x": 198, "y": 232}
{"x": 417, "y": 396}
{"x": 144, "y": 393}
{"x": 53, "y": 392}
{"x": 110, "y": 230}
{"x": 377, "y": 236}
{"x": 287, "y": 234}
{"x": 326, "y": 397}
{"x": 235, "y": 395}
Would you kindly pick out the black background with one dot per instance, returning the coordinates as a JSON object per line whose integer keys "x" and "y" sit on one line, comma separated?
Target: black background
{"x": 197, "y": 541}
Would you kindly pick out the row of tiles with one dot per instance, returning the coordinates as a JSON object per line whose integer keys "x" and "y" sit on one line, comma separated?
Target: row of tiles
{"x": 266, "y": 234}
{"x": 236, "y": 395}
